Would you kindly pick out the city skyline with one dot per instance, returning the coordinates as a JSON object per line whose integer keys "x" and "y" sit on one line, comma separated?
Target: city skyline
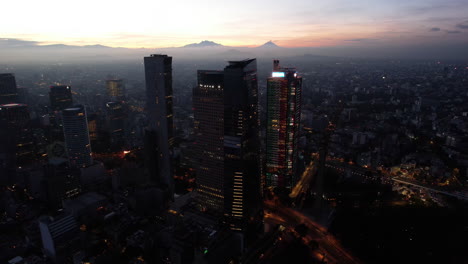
{"x": 181, "y": 167}
{"x": 151, "y": 132}
{"x": 320, "y": 24}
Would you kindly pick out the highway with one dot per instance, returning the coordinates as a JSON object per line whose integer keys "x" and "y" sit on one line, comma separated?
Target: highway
{"x": 329, "y": 247}
{"x": 304, "y": 182}
{"x": 460, "y": 196}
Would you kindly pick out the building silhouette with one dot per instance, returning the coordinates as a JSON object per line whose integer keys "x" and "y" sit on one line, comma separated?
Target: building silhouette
{"x": 284, "y": 89}
{"x": 60, "y": 97}
{"x": 75, "y": 130}
{"x": 208, "y": 109}
{"x": 159, "y": 135}
{"x": 115, "y": 117}
{"x": 60, "y": 182}
{"x": 228, "y": 143}
{"x": 242, "y": 172}
{"x": 8, "y": 89}
{"x": 16, "y": 140}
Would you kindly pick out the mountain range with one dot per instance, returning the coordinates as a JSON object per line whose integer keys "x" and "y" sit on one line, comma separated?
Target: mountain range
{"x": 17, "y": 43}
{"x": 14, "y": 50}
{"x": 22, "y": 51}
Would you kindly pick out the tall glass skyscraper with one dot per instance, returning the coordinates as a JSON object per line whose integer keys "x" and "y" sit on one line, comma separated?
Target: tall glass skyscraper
{"x": 242, "y": 202}
{"x": 208, "y": 110}
{"x": 75, "y": 130}
{"x": 283, "y": 119}
{"x": 158, "y": 76}
{"x": 227, "y": 140}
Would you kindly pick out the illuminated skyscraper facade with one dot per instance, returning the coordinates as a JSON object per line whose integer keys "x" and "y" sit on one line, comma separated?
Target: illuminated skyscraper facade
{"x": 208, "y": 110}
{"x": 115, "y": 89}
{"x": 284, "y": 89}
{"x": 8, "y": 89}
{"x": 75, "y": 130}
{"x": 158, "y": 77}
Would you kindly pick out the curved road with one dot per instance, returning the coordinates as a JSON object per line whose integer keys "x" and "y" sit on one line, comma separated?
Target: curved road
{"x": 330, "y": 247}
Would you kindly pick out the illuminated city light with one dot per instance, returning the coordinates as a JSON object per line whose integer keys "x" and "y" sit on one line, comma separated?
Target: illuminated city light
{"x": 278, "y": 74}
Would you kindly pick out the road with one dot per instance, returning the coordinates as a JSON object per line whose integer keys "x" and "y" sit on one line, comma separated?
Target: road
{"x": 304, "y": 182}
{"x": 329, "y": 246}
{"x": 460, "y": 196}
{"x": 389, "y": 177}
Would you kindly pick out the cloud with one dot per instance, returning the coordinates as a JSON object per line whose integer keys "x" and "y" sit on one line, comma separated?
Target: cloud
{"x": 434, "y": 29}
{"x": 453, "y": 31}
{"x": 463, "y": 25}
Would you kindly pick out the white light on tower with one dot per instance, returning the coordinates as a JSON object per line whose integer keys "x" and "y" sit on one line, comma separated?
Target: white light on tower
{"x": 277, "y": 74}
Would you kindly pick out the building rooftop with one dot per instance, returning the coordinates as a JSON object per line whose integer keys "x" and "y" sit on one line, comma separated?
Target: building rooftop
{"x": 239, "y": 64}
{"x": 159, "y": 55}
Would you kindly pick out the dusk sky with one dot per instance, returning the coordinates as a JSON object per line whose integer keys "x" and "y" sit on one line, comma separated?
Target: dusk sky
{"x": 300, "y": 23}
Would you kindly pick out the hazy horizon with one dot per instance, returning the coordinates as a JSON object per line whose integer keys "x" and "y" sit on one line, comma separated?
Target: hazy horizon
{"x": 431, "y": 29}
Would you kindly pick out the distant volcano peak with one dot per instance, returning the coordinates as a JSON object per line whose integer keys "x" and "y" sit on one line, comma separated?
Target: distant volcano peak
{"x": 205, "y": 43}
{"x": 269, "y": 44}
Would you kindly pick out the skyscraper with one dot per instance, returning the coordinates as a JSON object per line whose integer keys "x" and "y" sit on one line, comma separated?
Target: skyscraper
{"x": 75, "y": 130}
{"x": 60, "y": 182}
{"x": 208, "y": 108}
{"x": 227, "y": 140}
{"x": 57, "y": 234}
{"x": 158, "y": 76}
{"x": 115, "y": 115}
{"x": 115, "y": 89}
{"x": 283, "y": 119}
{"x": 14, "y": 115}
{"x": 60, "y": 97}
{"x": 242, "y": 201}
{"x": 16, "y": 140}
{"x": 8, "y": 89}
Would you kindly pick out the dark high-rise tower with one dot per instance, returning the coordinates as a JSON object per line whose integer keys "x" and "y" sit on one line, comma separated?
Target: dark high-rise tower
{"x": 283, "y": 119}
{"x": 75, "y": 130}
{"x": 227, "y": 139}
{"x": 242, "y": 199}
{"x": 208, "y": 109}
{"x": 14, "y": 115}
{"x": 16, "y": 140}
{"x": 60, "y": 97}
{"x": 8, "y": 89}
{"x": 158, "y": 76}
{"x": 115, "y": 115}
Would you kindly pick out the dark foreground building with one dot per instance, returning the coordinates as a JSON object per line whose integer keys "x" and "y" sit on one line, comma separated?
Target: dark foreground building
{"x": 8, "y": 89}
{"x": 159, "y": 135}
{"x": 227, "y": 139}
